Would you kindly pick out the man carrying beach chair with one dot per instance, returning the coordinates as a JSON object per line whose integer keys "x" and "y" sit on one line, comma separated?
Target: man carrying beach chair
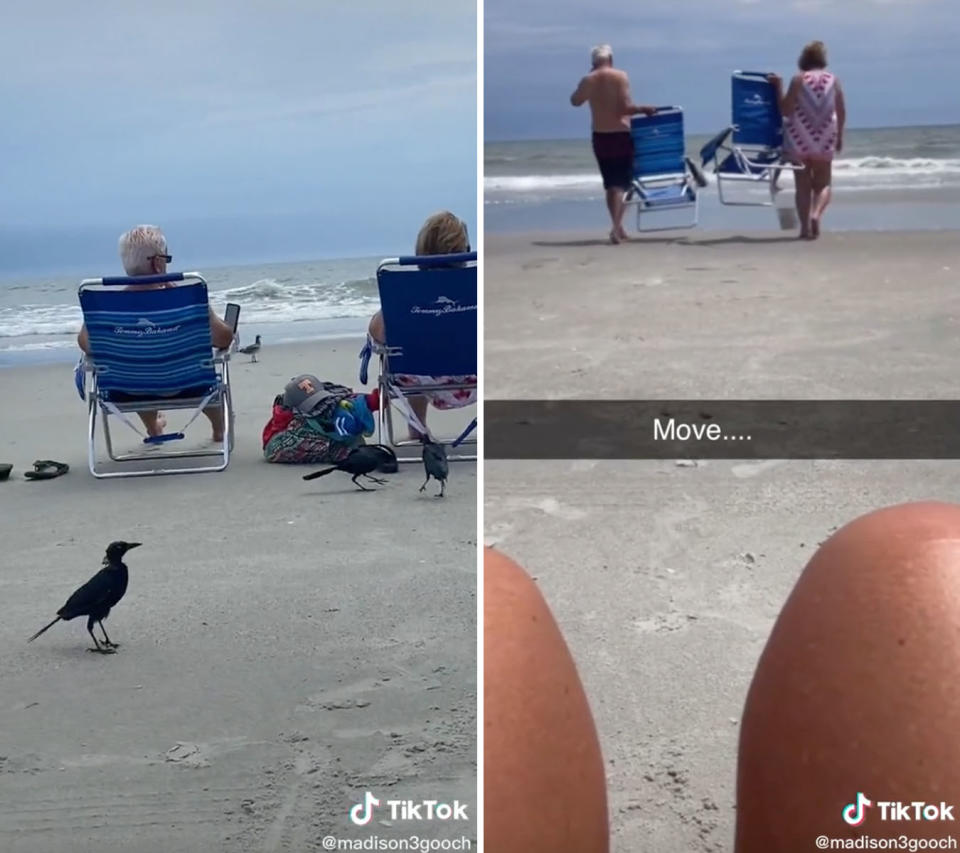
{"x": 607, "y": 90}
{"x": 665, "y": 180}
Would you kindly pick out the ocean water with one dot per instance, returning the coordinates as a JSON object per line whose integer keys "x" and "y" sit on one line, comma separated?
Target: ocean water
{"x": 887, "y": 178}
{"x": 40, "y": 317}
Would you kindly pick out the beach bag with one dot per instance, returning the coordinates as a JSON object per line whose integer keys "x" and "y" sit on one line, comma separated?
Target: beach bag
{"x": 316, "y": 422}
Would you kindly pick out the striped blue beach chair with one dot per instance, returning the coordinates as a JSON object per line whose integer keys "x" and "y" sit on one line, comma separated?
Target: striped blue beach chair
{"x": 151, "y": 349}
{"x": 665, "y": 180}
{"x": 749, "y": 152}
{"x": 429, "y": 306}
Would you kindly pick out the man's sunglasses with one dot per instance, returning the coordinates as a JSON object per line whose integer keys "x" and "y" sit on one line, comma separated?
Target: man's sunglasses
{"x": 167, "y": 258}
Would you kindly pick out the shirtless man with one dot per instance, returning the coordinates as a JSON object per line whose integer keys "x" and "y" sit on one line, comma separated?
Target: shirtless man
{"x": 608, "y": 91}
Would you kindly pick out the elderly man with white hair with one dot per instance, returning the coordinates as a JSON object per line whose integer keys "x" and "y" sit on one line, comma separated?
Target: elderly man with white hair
{"x": 607, "y": 89}
{"x": 143, "y": 251}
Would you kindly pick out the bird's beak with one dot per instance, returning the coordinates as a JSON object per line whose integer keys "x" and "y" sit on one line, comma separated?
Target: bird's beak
{"x": 133, "y": 545}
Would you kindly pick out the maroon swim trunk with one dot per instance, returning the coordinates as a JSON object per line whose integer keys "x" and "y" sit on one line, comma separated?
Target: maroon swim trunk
{"x": 614, "y": 153}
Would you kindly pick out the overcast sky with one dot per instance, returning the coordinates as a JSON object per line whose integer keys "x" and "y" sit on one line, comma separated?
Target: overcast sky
{"x": 249, "y": 129}
{"x": 898, "y": 59}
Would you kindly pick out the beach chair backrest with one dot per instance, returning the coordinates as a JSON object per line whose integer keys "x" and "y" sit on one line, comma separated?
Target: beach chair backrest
{"x": 429, "y": 307}
{"x": 658, "y": 144}
{"x": 755, "y": 112}
{"x": 149, "y": 341}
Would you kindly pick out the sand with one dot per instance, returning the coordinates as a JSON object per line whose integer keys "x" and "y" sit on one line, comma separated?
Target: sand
{"x": 285, "y": 646}
{"x": 722, "y": 316}
{"x": 665, "y": 577}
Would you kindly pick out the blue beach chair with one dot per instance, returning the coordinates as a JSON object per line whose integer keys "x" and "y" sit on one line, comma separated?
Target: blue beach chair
{"x": 429, "y": 306}
{"x": 152, "y": 349}
{"x": 750, "y": 151}
{"x": 664, "y": 178}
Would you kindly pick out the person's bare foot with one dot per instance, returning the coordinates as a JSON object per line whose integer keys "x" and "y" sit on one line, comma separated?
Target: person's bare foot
{"x": 614, "y": 238}
{"x": 157, "y": 426}
{"x": 622, "y": 233}
{"x": 814, "y": 227}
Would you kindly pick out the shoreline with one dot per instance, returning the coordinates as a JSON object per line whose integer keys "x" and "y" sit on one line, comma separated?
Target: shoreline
{"x": 68, "y": 352}
{"x": 859, "y": 211}
{"x": 501, "y": 244}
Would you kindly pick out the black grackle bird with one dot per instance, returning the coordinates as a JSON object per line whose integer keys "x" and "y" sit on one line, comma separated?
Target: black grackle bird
{"x": 435, "y": 465}
{"x": 251, "y": 349}
{"x": 95, "y": 598}
{"x": 361, "y": 462}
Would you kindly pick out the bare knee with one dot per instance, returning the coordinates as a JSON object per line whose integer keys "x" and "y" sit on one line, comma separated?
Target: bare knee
{"x": 820, "y": 177}
{"x": 859, "y": 683}
{"x": 540, "y": 742}
{"x": 376, "y": 328}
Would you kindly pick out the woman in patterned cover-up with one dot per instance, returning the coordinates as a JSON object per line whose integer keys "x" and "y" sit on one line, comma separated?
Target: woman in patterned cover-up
{"x": 814, "y": 117}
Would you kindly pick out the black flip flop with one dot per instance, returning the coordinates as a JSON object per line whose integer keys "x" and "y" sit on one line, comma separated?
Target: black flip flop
{"x": 5, "y": 470}
{"x": 46, "y": 469}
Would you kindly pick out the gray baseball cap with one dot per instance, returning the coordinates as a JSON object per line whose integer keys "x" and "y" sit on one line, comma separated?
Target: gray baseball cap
{"x": 305, "y": 392}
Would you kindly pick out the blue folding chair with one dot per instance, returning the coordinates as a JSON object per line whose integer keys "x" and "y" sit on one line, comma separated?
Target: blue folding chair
{"x": 664, "y": 178}
{"x": 429, "y": 307}
{"x": 750, "y": 151}
{"x": 151, "y": 349}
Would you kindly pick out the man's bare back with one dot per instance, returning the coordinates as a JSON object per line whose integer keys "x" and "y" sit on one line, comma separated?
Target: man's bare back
{"x": 607, "y": 90}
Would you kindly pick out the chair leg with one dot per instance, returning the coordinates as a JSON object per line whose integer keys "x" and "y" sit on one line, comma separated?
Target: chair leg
{"x": 92, "y": 435}
{"x": 228, "y": 417}
{"x": 227, "y": 403}
{"x": 381, "y": 411}
{"x": 389, "y": 410}
{"x": 107, "y": 437}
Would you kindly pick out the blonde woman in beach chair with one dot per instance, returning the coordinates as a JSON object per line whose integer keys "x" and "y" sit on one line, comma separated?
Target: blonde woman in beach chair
{"x": 425, "y": 334}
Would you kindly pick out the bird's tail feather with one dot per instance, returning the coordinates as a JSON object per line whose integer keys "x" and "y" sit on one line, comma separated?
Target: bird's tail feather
{"x": 316, "y": 474}
{"x": 44, "y": 628}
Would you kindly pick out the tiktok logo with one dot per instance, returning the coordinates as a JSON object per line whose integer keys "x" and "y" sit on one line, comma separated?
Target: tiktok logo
{"x": 856, "y": 813}
{"x": 362, "y": 813}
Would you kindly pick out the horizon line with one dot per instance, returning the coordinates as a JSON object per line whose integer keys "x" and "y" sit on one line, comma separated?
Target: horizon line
{"x": 486, "y": 141}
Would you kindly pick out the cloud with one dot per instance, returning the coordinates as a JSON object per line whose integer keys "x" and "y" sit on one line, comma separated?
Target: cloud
{"x": 894, "y": 56}
{"x": 428, "y": 95}
{"x": 117, "y": 109}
